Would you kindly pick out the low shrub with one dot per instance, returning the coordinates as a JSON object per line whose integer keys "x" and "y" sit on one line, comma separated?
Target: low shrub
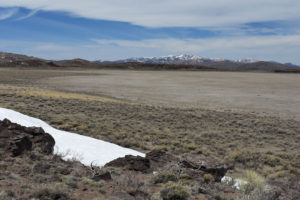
{"x": 164, "y": 177}
{"x": 92, "y": 183}
{"x": 50, "y": 193}
{"x": 208, "y": 178}
{"x": 254, "y": 182}
{"x": 174, "y": 192}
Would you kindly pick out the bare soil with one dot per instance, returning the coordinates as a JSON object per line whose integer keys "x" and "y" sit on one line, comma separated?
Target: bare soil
{"x": 262, "y": 93}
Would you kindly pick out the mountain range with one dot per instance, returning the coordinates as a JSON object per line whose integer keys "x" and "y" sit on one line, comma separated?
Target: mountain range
{"x": 183, "y": 59}
{"x": 218, "y": 63}
{"x": 180, "y": 62}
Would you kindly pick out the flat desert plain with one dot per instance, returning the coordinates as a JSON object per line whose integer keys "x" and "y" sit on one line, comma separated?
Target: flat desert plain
{"x": 261, "y": 93}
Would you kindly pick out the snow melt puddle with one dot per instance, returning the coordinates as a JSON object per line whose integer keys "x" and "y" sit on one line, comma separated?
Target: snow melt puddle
{"x": 71, "y": 144}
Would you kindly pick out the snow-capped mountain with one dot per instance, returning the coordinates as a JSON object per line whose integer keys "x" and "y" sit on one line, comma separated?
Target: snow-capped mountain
{"x": 247, "y": 60}
{"x": 215, "y": 63}
{"x": 184, "y": 59}
{"x": 173, "y": 59}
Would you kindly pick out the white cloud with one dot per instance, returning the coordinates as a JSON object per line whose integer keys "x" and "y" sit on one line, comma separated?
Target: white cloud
{"x": 8, "y": 13}
{"x": 202, "y": 45}
{"x": 166, "y": 13}
{"x": 277, "y": 48}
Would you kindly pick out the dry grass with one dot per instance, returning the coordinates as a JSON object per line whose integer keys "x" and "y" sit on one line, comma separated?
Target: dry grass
{"x": 25, "y": 91}
{"x": 254, "y": 182}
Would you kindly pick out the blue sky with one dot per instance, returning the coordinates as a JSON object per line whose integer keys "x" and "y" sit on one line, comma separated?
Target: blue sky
{"x": 115, "y": 29}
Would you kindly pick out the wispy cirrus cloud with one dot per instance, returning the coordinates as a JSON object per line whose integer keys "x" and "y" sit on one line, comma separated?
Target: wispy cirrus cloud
{"x": 30, "y": 14}
{"x": 8, "y": 13}
{"x": 171, "y": 13}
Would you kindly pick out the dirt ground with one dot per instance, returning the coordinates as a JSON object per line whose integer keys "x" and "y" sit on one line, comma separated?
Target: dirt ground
{"x": 262, "y": 93}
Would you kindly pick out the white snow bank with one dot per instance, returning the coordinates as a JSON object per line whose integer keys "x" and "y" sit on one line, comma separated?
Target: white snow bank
{"x": 87, "y": 148}
{"x": 236, "y": 183}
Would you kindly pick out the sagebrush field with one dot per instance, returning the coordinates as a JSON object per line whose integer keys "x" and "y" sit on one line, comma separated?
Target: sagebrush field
{"x": 247, "y": 120}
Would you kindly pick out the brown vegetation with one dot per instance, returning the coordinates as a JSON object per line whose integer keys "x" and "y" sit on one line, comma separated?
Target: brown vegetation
{"x": 267, "y": 145}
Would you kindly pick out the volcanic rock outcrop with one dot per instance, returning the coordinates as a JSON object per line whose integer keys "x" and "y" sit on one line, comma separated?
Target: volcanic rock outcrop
{"x": 16, "y": 139}
{"x": 193, "y": 165}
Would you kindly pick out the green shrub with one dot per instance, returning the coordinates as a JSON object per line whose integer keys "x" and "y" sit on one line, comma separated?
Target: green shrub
{"x": 50, "y": 193}
{"x": 254, "y": 182}
{"x": 184, "y": 177}
{"x": 3, "y": 165}
{"x": 208, "y": 178}
{"x": 174, "y": 192}
{"x": 3, "y": 195}
{"x": 92, "y": 183}
{"x": 164, "y": 177}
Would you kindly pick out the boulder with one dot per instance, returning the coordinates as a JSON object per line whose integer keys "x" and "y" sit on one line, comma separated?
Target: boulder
{"x": 136, "y": 163}
{"x": 204, "y": 164}
{"x": 160, "y": 158}
{"x": 106, "y": 176}
{"x": 17, "y": 139}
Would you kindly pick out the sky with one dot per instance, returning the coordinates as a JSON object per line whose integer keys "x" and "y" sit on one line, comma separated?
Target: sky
{"x": 117, "y": 29}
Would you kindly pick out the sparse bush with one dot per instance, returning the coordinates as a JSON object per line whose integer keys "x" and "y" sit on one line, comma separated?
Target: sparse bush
{"x": 208, "y": 178}
{"x": 272, "y": 160}
{"x": 3, "y": 195}
{"x": 254, "y": 182}
{"x": 164, "y": 177}
{"x": 3, "y": 165}
{"x": 72, "y": 182}
{"x": 277, "y": 175}
{"x": 184, "y": 176}
{"x": 92, "y": 183}
{"x": 174, "y": 192}
{"x": 160, "y": 147}
{"x": 50, "y": 193}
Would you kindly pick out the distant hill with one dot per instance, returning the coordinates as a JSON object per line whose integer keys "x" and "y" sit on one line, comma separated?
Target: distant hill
{"x": 217, "y": 63}
{"x": 11, "y": 57}
{"x": 290, "y": 65}
{"x": 182, "y": 62}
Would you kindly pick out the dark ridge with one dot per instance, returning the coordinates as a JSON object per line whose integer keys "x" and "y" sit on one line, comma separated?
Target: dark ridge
{"x": 16, "y": 60}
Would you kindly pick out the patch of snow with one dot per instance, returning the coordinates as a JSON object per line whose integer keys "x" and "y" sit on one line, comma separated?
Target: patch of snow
{"x": 71, "y": 144}
{"x": 236, "y": 183}
{"x": 247, "y": 60}
{"x": 172, "y": 58}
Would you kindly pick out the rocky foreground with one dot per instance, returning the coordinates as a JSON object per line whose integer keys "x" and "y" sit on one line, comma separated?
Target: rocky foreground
{"x": 30, "y": 170}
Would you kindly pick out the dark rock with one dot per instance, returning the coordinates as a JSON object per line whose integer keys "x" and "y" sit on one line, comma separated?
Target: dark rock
{"x": 136, "y": 163}
{"x": 160, "y": 158}
{"x": 19, "y": 145}
{"x": 17, "y": 139}
{"x": 103, "y": 176}
{"x": 205, "y": 164}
